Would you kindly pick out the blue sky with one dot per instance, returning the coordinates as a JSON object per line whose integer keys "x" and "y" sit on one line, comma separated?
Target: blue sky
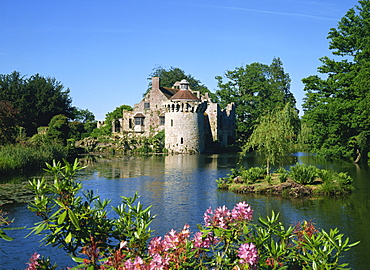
{"x": 104, "y": 51}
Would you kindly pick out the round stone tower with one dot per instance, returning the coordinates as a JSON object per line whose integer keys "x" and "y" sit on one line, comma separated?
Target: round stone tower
{"x": 184, "y": 122}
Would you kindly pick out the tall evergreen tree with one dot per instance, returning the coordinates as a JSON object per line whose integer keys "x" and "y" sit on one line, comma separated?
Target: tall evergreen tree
{"x": 337, "y": 106}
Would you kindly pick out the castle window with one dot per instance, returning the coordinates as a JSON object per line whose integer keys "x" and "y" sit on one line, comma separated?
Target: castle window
{"x": 147, "y": 105}
{"x": 182, "y": 140}
{"x": 139, "y": 119}
{"x": 130, "y": 123}
{"x": 161, "y": 121}
{"x": 171, "y": 122}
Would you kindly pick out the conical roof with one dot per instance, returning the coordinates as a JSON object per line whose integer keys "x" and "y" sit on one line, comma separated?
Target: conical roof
{"x": 184, "y": 95}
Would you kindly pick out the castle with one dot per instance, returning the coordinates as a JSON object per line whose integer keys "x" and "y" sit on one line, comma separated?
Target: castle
{"x": 192, "y": 122}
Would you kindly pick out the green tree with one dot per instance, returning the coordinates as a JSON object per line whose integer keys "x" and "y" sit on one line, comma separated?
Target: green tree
{"x": 83, "y": 123}
{"x": 8, "y": 122}
{"x": 36, "y": 98}
{"x": 173, "y": 74}
{"x": 274, "y": 136}
{"x": 336, "y": 107}
{"x": 256, "y": 89}
{"x": 106, "y": 129}
{"x": 58, "y": 128}
{"x": 83, "y": 115}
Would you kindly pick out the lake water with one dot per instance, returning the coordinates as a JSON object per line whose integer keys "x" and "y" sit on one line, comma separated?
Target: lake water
{"x": 180, "y": 188}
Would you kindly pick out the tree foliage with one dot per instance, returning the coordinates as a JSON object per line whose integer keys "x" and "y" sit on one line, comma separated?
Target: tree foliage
{"x": 337, "y": 106}
{"x": 106, "y": 129}
{"x": 37, "y": 99}
{"x": 83, "y": 115}
{"x": 256, "y": 89}
{"x": 58, "y": 128}
{"x": 8, "y": 122}
{"x": 274, "y": 136}
{"x": 83, "y": 123}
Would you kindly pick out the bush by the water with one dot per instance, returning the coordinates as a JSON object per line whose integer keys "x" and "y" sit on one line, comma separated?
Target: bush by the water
{"x": 303, "y": 174}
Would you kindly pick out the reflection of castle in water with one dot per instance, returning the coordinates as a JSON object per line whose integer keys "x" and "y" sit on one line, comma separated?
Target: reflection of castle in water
{"x": 136, "y": 166}
{"x": 179, "y": 184}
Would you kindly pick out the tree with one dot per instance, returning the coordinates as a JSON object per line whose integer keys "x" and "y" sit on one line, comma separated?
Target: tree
{"x": 58, "y": 128}
{"x": 256, "y": 90}
{"x": 106, "y": 129}
{"x": 83, "y": 123}
{"x": 274, "y": 136}
{"x": 36, "y": 98}
{"x": 172, "y": 75}
{"x": 336, "y": 108}
{"x": 8, "y": 122}
{"x": 83, "y": 115}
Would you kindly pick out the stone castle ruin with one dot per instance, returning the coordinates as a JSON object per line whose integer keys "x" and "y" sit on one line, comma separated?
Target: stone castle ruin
{"x": 192, "y": 122}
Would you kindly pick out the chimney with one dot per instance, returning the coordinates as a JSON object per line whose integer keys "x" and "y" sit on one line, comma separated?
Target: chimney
{"x": 155, "y": 83}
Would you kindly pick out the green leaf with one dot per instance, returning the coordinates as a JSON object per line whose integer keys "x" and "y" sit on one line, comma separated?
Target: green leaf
{"x": 5, "y": 237}
{"x": 74, "y": 220}
{"x": 77, "y": 259}
{"x": 62, "y": 217}
{"x": 68, "y": 238}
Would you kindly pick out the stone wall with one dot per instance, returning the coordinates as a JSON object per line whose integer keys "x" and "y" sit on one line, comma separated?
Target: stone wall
{"x": 184, "y": 127}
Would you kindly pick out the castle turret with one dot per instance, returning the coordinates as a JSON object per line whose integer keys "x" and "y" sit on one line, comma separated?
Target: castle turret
{"x": 184, "y": 122}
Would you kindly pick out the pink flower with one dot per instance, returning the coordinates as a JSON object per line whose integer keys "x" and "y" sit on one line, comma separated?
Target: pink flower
{"x": 199, "y": 242}
{"x": 138, "y": 264}
{"x": 242, "y": 211}
{"x": 32, "y": 265}
{"x": 159, "y": 263}
{"x": 207, "y": 216}
{"x": 220, "y": 218}
{"x": 155, "y": 245}
{"x": 249, "y": 255}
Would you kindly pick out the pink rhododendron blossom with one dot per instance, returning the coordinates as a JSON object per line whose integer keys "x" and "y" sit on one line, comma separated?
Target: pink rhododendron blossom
{"x": 159, "y": 263}
{"x": 207, "y": 216}
{"x": 137, "y": 264}
{"x": 199, "y": 242}
{"x": 32, "y": 265}
{"x": 242, "y": 211}
{"x": 155, "y": 246}
{"x": 222, "y": 217}
{"x": 248, "y": 254}
{"x": 219, "y": 218}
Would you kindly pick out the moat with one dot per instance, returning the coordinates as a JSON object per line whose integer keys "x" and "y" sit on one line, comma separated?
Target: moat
{"x": 182, "y": 187}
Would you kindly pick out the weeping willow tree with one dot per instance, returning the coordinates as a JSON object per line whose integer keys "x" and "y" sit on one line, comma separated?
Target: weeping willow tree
{"x": 274, "y": 136}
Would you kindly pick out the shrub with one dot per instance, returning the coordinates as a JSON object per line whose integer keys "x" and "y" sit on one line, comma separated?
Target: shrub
{"x": 303, "y": 174}
{"x": 283, "y": 174}
{"x": 253, "y": 174}
{"x": 268, "y": 179}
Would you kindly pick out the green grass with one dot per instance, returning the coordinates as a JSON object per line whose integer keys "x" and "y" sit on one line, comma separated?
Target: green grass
{"x": 17, "y": 159}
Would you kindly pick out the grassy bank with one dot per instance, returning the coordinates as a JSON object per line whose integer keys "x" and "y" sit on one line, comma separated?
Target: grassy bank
{"x": 300, "y": 180}
{"x": 17, "y": 159}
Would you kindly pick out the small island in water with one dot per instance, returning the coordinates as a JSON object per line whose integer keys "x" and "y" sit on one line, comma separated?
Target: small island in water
{"x": 299, "y": 181}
